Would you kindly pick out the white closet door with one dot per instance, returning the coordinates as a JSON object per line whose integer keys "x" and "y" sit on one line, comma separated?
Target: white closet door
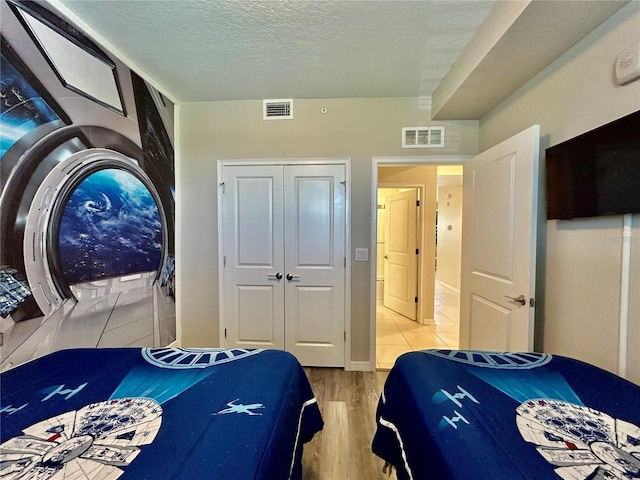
{"x": 284, "y": 233}
{"x": 314, "y": 263}
{"x": 253, "y": 296}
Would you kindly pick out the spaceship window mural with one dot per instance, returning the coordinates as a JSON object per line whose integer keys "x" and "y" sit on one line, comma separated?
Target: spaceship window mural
{"x": 22, "y": 109}
{"x": 87, "y": 190}
{"x": 110, "y": 226}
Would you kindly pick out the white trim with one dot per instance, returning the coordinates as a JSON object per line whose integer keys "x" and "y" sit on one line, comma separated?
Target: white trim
{"x": 450, "y": 287}
{"x": 397, "y": 161}
{"x": 361, "y": 366}
{"x": 347, "y": 280}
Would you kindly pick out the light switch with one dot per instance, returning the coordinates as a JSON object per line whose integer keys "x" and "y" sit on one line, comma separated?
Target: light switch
{"x": 362, "y": 254}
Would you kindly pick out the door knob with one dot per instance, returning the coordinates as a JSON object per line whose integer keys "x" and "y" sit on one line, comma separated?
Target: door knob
{"x": 277, "y": 276}
{"x": 521, "y": 299}
{"x": 291, "y": 277}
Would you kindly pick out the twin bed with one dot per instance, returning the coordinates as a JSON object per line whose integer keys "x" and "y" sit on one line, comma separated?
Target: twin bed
{"x": 156, "y": 413}
{"x": 170, "y": 413}
{"x": 469, "y": 415}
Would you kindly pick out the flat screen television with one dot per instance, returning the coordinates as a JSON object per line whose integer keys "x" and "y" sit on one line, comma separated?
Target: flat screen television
{"x": 596, "y": 173}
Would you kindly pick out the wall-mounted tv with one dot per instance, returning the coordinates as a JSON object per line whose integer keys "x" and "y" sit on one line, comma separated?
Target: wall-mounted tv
{"x": 596, "y": 173}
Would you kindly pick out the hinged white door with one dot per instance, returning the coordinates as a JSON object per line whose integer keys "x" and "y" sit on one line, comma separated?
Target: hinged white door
{"x": 252, "y": 293}
{"x": 499, "y": 245}
{"x": 401, "y": 259}
{"x": 314, "y": 258}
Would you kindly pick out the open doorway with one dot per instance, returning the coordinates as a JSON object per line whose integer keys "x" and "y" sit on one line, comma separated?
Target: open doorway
{"x": 436, "y": 234}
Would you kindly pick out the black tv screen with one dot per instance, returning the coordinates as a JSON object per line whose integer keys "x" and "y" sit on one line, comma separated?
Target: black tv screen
{"x": 596, "y": 173}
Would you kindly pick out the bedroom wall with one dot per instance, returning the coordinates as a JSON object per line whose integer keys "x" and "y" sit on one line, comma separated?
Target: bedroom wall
{"x": 355, "y": 128}
{"x": 580, "y": 270}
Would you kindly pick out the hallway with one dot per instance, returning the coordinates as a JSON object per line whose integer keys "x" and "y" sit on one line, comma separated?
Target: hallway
{"x": 396, "y": 334}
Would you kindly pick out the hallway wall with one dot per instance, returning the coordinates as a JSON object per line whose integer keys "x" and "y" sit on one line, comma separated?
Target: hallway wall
{"x": 449, "y": 236}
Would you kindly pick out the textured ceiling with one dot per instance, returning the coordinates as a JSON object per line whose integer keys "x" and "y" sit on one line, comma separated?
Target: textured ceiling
{"x": 230, "y": 50}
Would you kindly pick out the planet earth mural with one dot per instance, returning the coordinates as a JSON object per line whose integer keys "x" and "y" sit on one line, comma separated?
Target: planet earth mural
{"x": 110, "y": 227}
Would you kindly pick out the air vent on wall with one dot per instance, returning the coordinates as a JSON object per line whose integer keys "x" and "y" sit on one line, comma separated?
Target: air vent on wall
{"x": 277, "y": 109}
{"x": 422, "y": 137}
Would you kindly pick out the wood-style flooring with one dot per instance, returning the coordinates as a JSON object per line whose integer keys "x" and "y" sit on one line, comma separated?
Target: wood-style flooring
{"x": 342, "y": 450}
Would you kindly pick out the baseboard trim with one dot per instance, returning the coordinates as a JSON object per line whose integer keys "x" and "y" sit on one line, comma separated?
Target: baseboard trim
{"x": 360, "y": 366}
{"x": 450, "y": 287}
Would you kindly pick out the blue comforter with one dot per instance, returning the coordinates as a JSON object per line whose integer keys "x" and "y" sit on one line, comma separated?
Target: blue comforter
{"x": 164, "y": 413}
{"x": 507, "y": 416}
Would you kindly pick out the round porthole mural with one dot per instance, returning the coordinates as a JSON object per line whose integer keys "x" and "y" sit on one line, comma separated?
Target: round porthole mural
{"x": 110, "y": 225}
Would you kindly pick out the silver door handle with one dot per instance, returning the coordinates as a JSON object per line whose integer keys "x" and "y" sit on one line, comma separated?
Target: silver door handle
{"x": 291, "y": 277}
{"x": 521, "y": 299}
{"x": 277, "y": 276}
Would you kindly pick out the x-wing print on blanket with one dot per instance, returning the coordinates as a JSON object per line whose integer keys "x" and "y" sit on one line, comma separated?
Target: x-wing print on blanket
{"x": 102, "y": 438}
{"x": 580, "y": 442}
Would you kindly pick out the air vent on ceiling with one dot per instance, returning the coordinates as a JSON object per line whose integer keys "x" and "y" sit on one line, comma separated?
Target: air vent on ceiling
{"x": 277, "y": 109}
{"x": 422, "y": 137}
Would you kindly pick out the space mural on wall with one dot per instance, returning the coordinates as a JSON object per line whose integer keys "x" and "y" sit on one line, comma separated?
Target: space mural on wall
{"x": 86, "y": 166}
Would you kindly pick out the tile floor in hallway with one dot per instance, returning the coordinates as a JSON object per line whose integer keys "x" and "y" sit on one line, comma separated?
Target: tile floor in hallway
{"x": 396, "y": 334}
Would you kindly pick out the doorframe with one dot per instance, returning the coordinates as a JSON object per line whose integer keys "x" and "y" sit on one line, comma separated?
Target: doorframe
{"x": 220, "y": 231}
{"x": 396, "y": 162}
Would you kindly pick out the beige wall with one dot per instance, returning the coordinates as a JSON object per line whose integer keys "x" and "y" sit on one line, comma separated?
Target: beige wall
{"x": 354, "y": 128}
{"x": 449, "y": 239}
{"x": 579, "y": 277}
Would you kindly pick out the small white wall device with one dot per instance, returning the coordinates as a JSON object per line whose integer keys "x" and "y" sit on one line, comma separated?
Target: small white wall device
{"x": 627, "y": 67}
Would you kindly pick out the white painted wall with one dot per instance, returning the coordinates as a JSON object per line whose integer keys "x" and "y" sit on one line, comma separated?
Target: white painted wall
{"x": 579, "y": 274}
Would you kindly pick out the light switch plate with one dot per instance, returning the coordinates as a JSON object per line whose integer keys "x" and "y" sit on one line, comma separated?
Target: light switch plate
{"x": 362, "y": 254}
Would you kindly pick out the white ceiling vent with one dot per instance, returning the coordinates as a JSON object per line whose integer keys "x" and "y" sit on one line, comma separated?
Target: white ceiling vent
{"x": 422, "y": 137}
{"x": 277, "y": 109}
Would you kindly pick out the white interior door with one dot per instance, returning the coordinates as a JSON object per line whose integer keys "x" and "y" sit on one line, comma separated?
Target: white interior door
{"x": 499, "y": 245}
{"x": 401, "y": 262}
{"x": 315, "y": 263}
{"x": 283, "y": 286}
{"x": 252, "y": 293}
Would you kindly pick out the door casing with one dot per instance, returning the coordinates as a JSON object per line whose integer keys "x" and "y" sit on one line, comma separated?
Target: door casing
{"x": 392, "y": 161}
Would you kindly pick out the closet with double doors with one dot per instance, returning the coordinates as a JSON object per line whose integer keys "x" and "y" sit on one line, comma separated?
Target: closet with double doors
{"x": 283, "y": 259}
